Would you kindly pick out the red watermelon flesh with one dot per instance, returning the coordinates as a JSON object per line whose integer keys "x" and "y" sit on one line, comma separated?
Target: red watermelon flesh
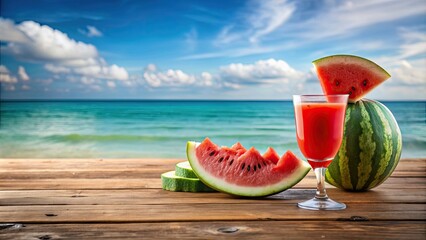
{"x": 239, "y": 147}
{"x": 286, "y": 161}
{"x": 244, "y": 172}
{"x": 271, "y": 155}
{"x": 347, "y": 74}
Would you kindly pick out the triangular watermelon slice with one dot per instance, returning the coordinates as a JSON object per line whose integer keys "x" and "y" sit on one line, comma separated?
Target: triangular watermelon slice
{"x": 348, "y": 74}
{"x": 244, "y": 172}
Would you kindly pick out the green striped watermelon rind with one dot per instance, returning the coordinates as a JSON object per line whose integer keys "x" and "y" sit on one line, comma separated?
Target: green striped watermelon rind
{"x": 338, "y": 58}
{"x": 370, "y": 150}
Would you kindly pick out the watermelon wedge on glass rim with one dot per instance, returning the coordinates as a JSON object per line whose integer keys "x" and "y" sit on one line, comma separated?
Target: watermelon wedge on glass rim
{"x": 348, "y": 74}
{"x": 242, "y": 172}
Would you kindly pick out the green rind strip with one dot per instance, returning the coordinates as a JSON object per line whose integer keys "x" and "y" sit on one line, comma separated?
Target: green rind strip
{"x": 367, "y": 148}
{"x": 174, "y": 183}
{"x": 396, "y": 138}
{"x": 386, "y": 155}
{"x": 353, "y": 59}
{"x": 183, "y": 169}
{"x": 343, "y": 158}
{"x": 330, "y": 179}
{"x": 334, "y": 168}
{"x": 377, "y": 138}
{"x": 396, "y": 155}
{"x": 396, "y": 146}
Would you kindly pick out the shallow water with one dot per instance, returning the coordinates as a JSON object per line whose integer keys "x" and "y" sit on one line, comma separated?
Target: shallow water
{"x": 136, "y": 129}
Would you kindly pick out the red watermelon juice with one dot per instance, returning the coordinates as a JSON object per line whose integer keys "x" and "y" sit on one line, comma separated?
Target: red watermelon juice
{"x": 319, "y": 130}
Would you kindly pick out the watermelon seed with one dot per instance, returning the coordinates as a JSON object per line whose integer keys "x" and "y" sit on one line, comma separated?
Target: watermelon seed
{"x": 264, "y": 163}
{"x": 350, "y": 93}
{"x": 212, "y": 153}
{"x": 353, "y": 88}
{"x": 364, "y": 83}
{"x": 227, "y": 157}
{"x": 337, "y": 82}
{"x": 242, "y": 168}
{"x": 254, "y": 168}
{"x": 248, "y": 168}
{"x": 221, "y": 159}
{"x": 259, "y": 166}
{"x": 231, "y": 161}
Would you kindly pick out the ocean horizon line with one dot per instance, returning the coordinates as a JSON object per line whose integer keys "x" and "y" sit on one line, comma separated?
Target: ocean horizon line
{"x": 178, "y": 100}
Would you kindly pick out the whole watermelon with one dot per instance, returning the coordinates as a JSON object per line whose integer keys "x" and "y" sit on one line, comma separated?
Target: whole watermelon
{"x": 370, "y": 150}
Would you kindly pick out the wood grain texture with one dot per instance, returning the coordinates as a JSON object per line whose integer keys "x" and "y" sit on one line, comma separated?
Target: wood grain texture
{"x": 397, "y": 230}
{"x": 159, "y": 196}
{"x": 203, "y": 212}
{"x": 123, "y": 199}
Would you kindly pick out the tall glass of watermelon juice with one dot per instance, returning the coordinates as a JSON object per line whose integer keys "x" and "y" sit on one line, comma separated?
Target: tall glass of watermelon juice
{"x": 319, "y": 130}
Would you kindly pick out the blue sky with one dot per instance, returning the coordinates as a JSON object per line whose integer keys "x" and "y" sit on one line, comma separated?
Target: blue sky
{"x": 203, "y": 49}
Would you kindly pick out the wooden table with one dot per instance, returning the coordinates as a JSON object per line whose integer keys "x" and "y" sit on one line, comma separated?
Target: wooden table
{"x": 123, "y": 199}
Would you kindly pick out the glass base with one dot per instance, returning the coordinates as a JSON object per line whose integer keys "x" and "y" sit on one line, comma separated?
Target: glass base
{"x": 321, "y": 204}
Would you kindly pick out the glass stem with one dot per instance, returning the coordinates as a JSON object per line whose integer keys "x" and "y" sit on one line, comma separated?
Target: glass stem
{"x": 320, "y": 174}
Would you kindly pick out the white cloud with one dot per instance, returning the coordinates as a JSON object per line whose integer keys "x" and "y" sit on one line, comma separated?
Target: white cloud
{"x": 23, "y": 74}
{"x": 174, "y": 78}
{"x": 104, "y": 72}
{"x": 238, "y": 52}
{"x": 410, "y": 73}
{"x": 345, "y": 17}
{"x": 151, "y": 68}
{"x": 93, "y": 32}
{"x": 56, "y": 68}
{"x": 61, "y": 54}
{"x": 415, "y": 43}
{"x": 207, "y": 79}
{"x": 262, "y": 71}
{"x": 47, "y": 44}
{"x": 3, "y": 69}
{"x": 407, "y": 66}
{"x": 6, "y": 77}
{"x": 25, "y": 87}
{"x": 226, "y": 35}
{"x": 234, "y": 76}
{"x": 168, "y": 78}
{"x": 8, "y": 32}
{"x": 269, "y": 16}
{"x": 260, "y": 19}
{"x": 111, "y": 84}
{"x": 88, "y": 80}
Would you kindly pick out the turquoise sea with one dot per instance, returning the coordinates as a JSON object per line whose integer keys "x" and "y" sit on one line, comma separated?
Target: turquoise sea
{"x": 160, "y": 129}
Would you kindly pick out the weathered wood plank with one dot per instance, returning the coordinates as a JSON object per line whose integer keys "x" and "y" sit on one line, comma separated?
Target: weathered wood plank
{"x": 139, "y": 183}
{"x": 408, "y": 165}
{"x": 89, "y": 173}
{"x": 60, "y": 164}
{"x": 159, "y": 196}
{"x": 203, "y": 212}
{"x": 34, "y": 169}
{"x": 397, "y": 230}
{"x": 148, "y": 172}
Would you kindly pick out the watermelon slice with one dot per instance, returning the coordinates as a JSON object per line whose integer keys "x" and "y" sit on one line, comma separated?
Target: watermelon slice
{"x": 244, "y": 172}
{"x": 347, "y": 74}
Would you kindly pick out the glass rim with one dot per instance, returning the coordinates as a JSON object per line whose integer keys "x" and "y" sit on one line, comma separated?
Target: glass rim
{"x": 319, "y": 95}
